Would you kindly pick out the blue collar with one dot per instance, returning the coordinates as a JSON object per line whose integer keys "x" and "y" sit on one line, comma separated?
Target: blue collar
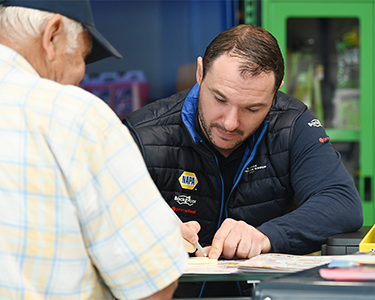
{"x": 189, "y": 110}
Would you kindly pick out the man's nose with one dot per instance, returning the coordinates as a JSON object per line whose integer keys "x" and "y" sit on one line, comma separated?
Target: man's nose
{"x": 231, "y": 121}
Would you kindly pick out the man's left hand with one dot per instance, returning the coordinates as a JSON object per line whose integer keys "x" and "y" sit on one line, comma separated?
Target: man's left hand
{"x": 238, "y": 239}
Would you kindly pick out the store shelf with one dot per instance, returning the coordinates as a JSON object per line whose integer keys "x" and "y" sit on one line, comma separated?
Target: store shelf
{"x": 343, "y": 135}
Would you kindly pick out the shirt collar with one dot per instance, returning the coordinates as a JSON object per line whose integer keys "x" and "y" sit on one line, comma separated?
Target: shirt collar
{"x": 189, "y": 111}
{"x": 11, "y": 57}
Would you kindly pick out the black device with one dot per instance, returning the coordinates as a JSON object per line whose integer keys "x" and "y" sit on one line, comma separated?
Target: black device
{"x": 308, "y": 285}
{"x": 344, "y": 243}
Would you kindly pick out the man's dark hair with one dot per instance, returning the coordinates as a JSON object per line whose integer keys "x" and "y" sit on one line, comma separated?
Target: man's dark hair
{"x": 255, "y": 46}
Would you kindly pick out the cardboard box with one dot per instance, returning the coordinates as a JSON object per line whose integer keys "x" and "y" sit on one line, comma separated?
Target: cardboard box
{"x": 129, "y": 96}
{"x": 124, "y": 94}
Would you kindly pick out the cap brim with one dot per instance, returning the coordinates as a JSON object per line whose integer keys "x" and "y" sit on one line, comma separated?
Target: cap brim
{"x": 101, "y": 48}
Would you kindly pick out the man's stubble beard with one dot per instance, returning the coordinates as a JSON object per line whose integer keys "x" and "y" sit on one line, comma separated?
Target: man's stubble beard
{"x": 207, "y": 131}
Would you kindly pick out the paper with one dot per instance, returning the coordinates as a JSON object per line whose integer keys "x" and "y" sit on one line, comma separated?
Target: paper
{"x": 202, "y": 261}
{"x": 264, "y": 263}
{"x": 269, "y": 262}
{"x": 367, "y": 258}
{"x": 205, "y": 265}
{"x": 283, "y": 262}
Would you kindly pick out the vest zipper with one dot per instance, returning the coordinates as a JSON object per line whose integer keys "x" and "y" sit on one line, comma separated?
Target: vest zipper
{"x": 222, "y": 185}
{"x": 244, "y": 165}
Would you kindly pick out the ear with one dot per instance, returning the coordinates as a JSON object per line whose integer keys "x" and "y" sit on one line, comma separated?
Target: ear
{"x": 52, "y": 39}
{"x": 199, "y": 73}
{"x": 281, "y": 85}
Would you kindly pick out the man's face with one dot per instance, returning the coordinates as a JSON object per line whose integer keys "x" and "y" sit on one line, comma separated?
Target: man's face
{"x": 232, "y": 107}
{"x": 70, "y": 68}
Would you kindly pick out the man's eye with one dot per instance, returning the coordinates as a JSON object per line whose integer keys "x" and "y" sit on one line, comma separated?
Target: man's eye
{"x": 219, "y": 100}
{"x": 252, "y": 110}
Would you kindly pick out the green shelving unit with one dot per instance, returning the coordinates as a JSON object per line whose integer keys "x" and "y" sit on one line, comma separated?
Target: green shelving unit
{"x": 320, "y": 35}
{"x": 250, "y": 11}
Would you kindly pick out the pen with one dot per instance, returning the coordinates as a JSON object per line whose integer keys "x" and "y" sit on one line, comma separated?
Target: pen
{"x": 200, "y": 249}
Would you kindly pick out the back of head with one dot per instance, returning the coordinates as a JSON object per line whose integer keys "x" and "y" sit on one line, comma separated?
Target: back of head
{"x": 77, "y": 10}
{"x": 23, "y": 24}
{"x": 256, "y": 47}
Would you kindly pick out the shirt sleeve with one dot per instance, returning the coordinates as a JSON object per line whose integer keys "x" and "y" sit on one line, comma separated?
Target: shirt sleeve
{"x": 328, "y": 200}
{"x": 132, "y": 236}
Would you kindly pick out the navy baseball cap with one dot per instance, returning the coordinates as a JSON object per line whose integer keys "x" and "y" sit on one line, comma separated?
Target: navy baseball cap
{"x": 80, "y": 11}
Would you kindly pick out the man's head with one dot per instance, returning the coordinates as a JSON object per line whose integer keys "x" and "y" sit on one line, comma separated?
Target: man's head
{"x": 77, "y": 10}
{"x": 56, "y": 37}
{"x": 238, "y": 76}
{"x": 257, "y": 49}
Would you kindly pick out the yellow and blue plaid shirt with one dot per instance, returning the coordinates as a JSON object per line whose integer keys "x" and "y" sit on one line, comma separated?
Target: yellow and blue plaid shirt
{"x": 77, "y": 205}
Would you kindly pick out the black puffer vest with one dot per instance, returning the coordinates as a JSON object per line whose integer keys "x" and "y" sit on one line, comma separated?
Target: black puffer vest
{"x": 187, "y": 174}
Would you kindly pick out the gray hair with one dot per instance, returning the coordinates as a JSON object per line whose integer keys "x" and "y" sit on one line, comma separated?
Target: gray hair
{"x": 21, "y": 24}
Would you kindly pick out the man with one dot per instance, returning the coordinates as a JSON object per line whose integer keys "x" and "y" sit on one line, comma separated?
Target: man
{"x": 80, "y": 217}
{"x": 251, "y": 164}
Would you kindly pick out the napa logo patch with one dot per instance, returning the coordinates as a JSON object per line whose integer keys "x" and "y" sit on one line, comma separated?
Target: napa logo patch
{"x": 188, "y": 180}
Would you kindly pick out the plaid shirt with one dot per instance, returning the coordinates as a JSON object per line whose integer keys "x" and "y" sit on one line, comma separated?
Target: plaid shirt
{"x": 77, "y": 205}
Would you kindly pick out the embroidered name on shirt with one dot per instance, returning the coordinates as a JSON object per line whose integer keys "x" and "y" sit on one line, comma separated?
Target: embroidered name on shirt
{"x": 254, "y": 168}
{"x": 188, "y": 180}
{"x": 189, "y": 211}
{"x": 182, "y": 199}
{"x": 315, "y": 123}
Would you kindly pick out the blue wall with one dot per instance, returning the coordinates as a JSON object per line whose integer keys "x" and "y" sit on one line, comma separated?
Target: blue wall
{"x": 158, "y": 36}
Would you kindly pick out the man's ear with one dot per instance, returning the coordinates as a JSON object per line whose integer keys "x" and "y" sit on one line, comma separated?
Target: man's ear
{"x": 281, "y": 85}
{"x": 52, "y": 37}
{"x": 199, "y": 73}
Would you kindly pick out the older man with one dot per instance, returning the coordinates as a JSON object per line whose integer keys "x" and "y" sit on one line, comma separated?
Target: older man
{"x": 80, "y": 217}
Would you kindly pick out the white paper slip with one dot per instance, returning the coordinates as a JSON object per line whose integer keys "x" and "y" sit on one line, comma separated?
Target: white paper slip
{"x": 202, "y": 261}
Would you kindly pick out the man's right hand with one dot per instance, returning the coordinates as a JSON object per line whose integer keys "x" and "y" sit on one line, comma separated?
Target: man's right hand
{"x": 189, "y": 231}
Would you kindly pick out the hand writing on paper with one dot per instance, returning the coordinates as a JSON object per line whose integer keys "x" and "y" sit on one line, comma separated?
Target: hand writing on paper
{"x": 238, "y": 239}
{"x": 189, "y": 231}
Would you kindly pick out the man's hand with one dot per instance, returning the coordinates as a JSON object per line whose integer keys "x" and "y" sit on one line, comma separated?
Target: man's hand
{"x": 236, "y": 238}
{"x": 189, "y": 231}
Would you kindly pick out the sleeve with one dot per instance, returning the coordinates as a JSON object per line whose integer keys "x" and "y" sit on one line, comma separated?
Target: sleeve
{"x": 329, "y": 202}
{"x": 132, "y": 236}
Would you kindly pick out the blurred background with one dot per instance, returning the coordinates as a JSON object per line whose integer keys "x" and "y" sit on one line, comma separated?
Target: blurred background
{"x": 158, "y": 37}
{"x": 328, "y": 47}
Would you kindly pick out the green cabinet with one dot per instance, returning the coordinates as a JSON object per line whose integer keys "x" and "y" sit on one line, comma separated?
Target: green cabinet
{"x": 329, "y": 50}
